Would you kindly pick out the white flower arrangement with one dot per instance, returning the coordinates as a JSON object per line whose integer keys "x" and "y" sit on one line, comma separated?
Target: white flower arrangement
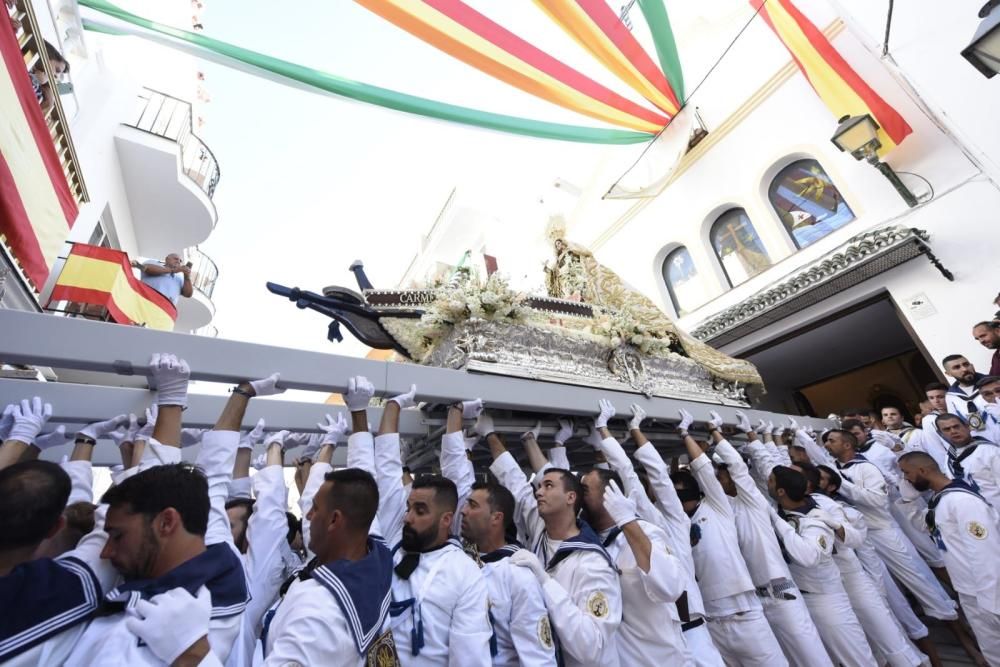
{"x": 621, "y": 327}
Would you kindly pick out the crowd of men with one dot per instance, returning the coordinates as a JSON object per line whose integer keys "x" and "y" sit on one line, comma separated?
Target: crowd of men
{"x": 768, "y": 545}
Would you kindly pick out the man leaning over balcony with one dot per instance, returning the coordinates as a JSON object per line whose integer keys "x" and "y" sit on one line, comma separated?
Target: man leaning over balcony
{"x": 169, "y": 277}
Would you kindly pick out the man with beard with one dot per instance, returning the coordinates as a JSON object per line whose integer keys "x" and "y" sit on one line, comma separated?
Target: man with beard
{"x": 808, "y": 540}
{"x": 170, "y": 538}
{"x": 988, "y": 335}
{"x": 522, "y": 635}
{"x": 963, "y": 398}
{"x": 967, "y": 531}
{"x": 736, "y": 618}
{"x": 440, "y": 599}
{"x": 578, "y": 577}
{"x": 973, "y": 458}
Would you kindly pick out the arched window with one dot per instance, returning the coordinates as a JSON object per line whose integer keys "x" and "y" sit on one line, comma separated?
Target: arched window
{"x": 738, "y": 247}
{"x": 808, "y": 203}
{"x": 687, "y": 290}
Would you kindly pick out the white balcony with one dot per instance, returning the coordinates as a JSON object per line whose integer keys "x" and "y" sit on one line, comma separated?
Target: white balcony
{"x": 169, "y": 173}
{"x": 197, "y": 311}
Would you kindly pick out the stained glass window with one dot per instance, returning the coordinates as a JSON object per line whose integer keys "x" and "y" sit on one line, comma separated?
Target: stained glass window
{"x": 687, "y": 290}
{"x": 808, "y": 203}
{"x": 738, "y": 246}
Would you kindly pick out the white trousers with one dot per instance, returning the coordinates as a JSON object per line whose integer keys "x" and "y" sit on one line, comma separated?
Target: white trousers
{"x": 879, "y": 624}
{"x": 985, "y": 625}
{"x": 701, "y": 647}
{"x": 901, "y": 557}
{"x": 900, "y": 606}
{"x": 745, "y": 640}
{"x": 839, "y": 629}
{"x": 793, "y": 628}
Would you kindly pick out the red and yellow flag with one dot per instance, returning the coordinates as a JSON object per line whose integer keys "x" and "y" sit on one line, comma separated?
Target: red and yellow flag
{"x": 836, "y": 82}
{"x": 37, "y": 208}
{"x": 103, "y": 277}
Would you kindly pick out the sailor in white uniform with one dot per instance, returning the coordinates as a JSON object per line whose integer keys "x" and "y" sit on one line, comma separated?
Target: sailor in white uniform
{"x": 963, "y": 398}
{"x": 735, "y": 615}
{"x": 336, "y": 610}
{"x": 809, "y": 542}
{"x": 784, "y": 607}
{"x": 972, "y": 458}
{"x": 522, "y": 635}
{"x": 578, "y": 577}
{"x": 967, "y": 531}
{"x": 440, "y": 608}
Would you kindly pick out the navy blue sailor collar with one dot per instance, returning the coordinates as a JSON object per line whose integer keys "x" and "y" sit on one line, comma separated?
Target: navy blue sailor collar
{"x": 858, "y": 458}
{"x": 506, "y": 551}
{"x": 586, "y": 540}
{"x": 363, "y": 589}
{"x": 218, "y": 568}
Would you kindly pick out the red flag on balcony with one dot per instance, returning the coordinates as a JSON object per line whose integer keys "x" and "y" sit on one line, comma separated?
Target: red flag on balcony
{"x": 833, "y": 79}
{"x": 37, "y": 208}
{"x": 103, "y": 277}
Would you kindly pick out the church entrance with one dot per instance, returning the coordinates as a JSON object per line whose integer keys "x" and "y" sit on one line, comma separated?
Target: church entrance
{"x": 863, "y": 356}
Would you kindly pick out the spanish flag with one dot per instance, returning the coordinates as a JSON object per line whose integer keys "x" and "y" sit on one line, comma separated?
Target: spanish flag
{"x": 103, "y": 277}
{"x": 37, "y": 208}
{"x": 836, "y": 83}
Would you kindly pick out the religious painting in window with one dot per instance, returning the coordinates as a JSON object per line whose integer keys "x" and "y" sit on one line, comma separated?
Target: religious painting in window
{"x": 738, "y": 246}
{"x": 808, "y": 203}
{"x": 687, "y": 290}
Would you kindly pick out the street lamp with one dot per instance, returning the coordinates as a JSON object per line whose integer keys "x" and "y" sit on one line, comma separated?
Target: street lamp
{"x": 858, "y": 135}
{"x": 984, "y": 50}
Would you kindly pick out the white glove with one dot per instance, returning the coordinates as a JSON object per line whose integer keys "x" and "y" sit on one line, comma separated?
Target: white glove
{"x": 276, "y": 438}
{"x": 792, "y": 424}
{"x": 29, "y": 418}
{"x": 638, "y": 414}
{"x": 170, "y": 375}
{"x": 743, "y": 422}
{"x": 532, "y": 433}
{"x": 471, "y": 409}
{"x": 484, "y": 425}
{"x": 335, "y": 429}
{"x": 125, "y": 434}
{"x": 405, "y": 400}
{"x": 907, "y": 492}
{"x": 171, "y": 622}
{"x": 775, "y": 430}
{"x": 312, "y": 446}
{"x": 830, "y": 520}
{"x": 255, "y": 435}
{"x": 359, "y": 393}
{"x": 714, "y": 420}
{"x": 98, "y": 430}
{"x": 6, "y": 422}
{"x": 888, "y": 439}
{"x": 811, "y": 432}
{"x": 565, "y": 431}
{"x": 606, "y": 413}
{"x": 293, "y": 440}
{"x": 53, "y": 439}
{"x": 686, "y": 420}
{"x": 146, "y": 432}
{"x": 259, "y": 462}
{"x": 267, "y": 386}
{"x": 991, "y": 408}
{"x": 762, "y": 427}
{"x": 192, "y": 436}
{"x": 621, "y": 508}
{"x": 471, "y": 441}
{"x": 526, "y": 559}
{"x": 594, "y": 439}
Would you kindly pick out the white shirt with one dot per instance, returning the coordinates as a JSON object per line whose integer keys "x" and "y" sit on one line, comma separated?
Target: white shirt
{"x": 982, "y": 466}
{"x": 810, "y": 548}
{"x": 970, "y": 545}
{"x": 722, "y": 573}
{"x": 453, "y": 603}
{"x": 864, "y": 485}
{"x": 958, "y": 404}
{"x": 520, "y": 620}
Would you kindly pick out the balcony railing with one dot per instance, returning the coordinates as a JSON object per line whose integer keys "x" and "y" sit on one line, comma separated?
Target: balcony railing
{"x": 32, "y": 45}
{"x": 204, "y": 271}
{"x": 171, "y": 118}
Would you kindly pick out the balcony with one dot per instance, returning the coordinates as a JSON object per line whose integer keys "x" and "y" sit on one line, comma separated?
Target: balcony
{"x": 196, "y": 313}
{"x": 170, "y": 175}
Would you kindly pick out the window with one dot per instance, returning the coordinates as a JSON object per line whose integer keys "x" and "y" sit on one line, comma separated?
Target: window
{"x": 738, "y": 247}
{"x": 687, "y": 291}
{"x": 808, "y": 203}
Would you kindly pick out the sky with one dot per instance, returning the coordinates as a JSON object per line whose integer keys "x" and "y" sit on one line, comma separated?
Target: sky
{"x": 311, "y": 182}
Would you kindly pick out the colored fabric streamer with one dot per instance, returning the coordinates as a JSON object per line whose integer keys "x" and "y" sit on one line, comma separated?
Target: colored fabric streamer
{"x": 834, "y": 80}
{"x": 666, "y": 46}
{"x": 462, "y": 32}
{"x": 103, "y": 277}
{"x": 37, "y": 208}
{"x": 598, "y": 30}
{"x": 383, "y": 97}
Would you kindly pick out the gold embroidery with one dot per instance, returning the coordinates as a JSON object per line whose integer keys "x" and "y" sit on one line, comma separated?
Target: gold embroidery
{"x": 545, "y": 632}
{"x": 977, "y": 530}
{"x": 383, "y": 652}
{"x": 597, "y": 605}
{"x": 822, "y": 542}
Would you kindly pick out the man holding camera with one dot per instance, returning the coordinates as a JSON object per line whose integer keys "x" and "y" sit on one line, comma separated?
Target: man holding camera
{"x": 169, "y": 277}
